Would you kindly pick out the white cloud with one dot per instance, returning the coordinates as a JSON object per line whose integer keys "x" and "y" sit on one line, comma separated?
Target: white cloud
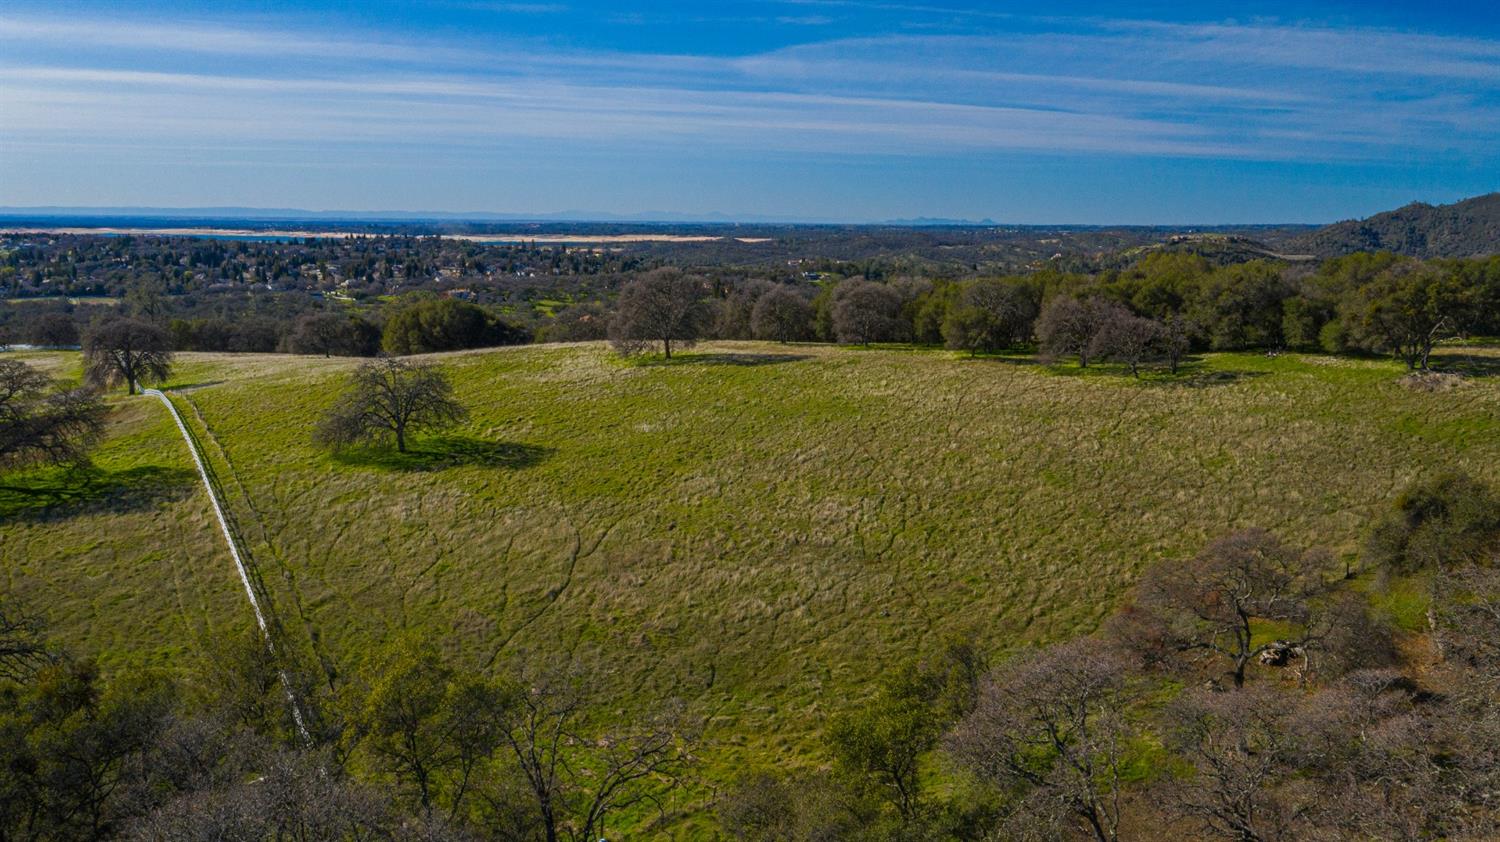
{"x": 1128, "y": 87}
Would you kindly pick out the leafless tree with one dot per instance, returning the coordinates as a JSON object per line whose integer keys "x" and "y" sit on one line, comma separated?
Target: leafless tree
{"x": 733, "y": 314}
{"x": 664, "y": 306}
{"x": 293, "y": 796}
{"x": 390, "y": 399}
{"x": 782, "y": 315}
{"x": 1176, "y": 339}
{"x": 578, "y": 778}
{"x": 1210, "y": 604}
{"x": 23, "y": 646}
{"x": 1053, "y": 722}
{"x": 41, "y": 424}
{"x": 54, "y": 330}
{"x": 1239, "y": 745}
{"x": 1368, "y": 758}
{"x": 127, "y": 351}
{"x": 1126, "y": 338}
{"x": 1068, "y": 325}
{"x": 866, "y": 312}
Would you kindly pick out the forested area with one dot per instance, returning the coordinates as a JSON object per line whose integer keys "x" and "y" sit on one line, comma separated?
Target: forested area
{"x": 363, "y": 296}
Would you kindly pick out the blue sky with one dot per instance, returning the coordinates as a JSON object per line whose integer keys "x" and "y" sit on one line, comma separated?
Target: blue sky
{"x": 1084, "y": 112}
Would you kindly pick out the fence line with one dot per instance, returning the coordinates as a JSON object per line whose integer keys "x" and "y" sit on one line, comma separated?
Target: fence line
{"x": 239, "y": 562}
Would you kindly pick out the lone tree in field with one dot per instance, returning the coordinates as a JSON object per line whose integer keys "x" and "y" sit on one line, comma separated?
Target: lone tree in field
{"x": 390, "y": 399}
{"x": 782, "y": 315}
{"x": 663, "y": 306}
{"x": 41, "y": 424}
{"x": 127, "y": 351}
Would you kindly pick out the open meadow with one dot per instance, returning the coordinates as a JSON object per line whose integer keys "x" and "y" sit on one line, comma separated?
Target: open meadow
{"x": 755, "y": 529}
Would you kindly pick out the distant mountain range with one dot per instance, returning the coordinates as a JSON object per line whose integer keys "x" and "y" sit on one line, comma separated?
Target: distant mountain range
{"x": 1470, "y": 228}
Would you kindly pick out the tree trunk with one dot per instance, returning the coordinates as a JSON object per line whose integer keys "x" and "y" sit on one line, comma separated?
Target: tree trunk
{"x": 400, "y": 440}
{"x": 666, "y": 345}
{"x": 130, "y": 385}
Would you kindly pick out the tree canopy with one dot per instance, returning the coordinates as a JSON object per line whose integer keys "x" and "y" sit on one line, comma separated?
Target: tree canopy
{"x": 388, "y": 399}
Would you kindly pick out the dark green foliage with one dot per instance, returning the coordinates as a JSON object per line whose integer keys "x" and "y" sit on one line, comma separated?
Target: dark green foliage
{"x": 333, "y": 334}
{"x": 427, "y": 327}
{"x": 1462, "y": 229}
{"x": 1449, "y": 520}
{"x": 991, "y": 314}
{"x": 882, "y": 744}
{"x": 1241, "y": 306}
{"x": 1407, "y": 309}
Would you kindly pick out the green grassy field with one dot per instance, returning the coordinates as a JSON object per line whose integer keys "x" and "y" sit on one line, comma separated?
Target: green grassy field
{"x": 758, "y": 530}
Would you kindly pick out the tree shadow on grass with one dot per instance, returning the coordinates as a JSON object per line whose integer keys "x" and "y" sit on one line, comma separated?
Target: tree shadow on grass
{"x": 748, "y": 360}
{"x": 436, "y": 454}
{"x": 1466, "y": 365}
{"x": 1198, "y": 378}
{"x": 1191, "y": 374}
{"x": 188, "y": 387}
{"x": 57, "y": 494}
{"x": 1026, "y": 360}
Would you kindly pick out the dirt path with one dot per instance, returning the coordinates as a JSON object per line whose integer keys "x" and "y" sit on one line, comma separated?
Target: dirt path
{"x": 234, "y": 552}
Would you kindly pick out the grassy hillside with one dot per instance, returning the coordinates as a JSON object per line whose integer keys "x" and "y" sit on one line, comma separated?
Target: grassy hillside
{"x": 755, "y": 529}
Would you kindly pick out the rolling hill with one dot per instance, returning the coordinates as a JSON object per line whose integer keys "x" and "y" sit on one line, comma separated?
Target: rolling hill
{"x": 757, "y": 530}
{"x": 1470, "y": 228}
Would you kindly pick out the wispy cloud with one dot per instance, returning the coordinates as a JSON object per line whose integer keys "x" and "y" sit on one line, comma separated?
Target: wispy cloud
{"x": 1101, "y": 86}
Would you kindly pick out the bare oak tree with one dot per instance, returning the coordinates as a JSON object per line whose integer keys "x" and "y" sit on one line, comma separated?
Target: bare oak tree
{"x": 1211, "y": 603}
{"x": 1067, "y": 326}
{"x": 127, "y": 351}
{"x": 781, "y": 315}
{"x": 1052, "y": 723}
{"x": 390, "y": 399}
{"x": 577, "y": 777}
{"x": 41, "y": 424}
{"x": 663, "y": 306}
{"x": 23, "y": 646}
{"x": 865, "y": 312}
{"x": 1239, "y": 744}
{"x": 1126, "y": 338}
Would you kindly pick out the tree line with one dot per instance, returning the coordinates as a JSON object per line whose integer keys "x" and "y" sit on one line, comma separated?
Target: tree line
{"x": 1157, "y": 310}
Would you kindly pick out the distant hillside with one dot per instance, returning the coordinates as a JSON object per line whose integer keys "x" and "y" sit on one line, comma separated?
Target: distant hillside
{"x": 1218, "y": 249}
{"x": 1469, "y": 228}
